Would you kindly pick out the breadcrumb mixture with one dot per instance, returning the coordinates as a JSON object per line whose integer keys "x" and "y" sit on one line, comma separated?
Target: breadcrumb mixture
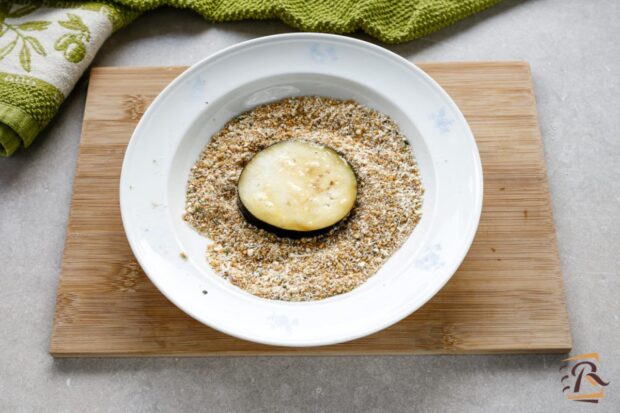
{"x": 389, "y": 200}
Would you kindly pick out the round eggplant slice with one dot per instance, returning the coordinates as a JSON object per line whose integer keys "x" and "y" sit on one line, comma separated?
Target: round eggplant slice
{"x": 295, "y": 188}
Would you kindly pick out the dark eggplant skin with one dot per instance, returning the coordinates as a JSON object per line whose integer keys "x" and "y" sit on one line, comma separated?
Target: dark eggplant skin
{"x": 288, "y": 233}
{"x": 280, "y": 232}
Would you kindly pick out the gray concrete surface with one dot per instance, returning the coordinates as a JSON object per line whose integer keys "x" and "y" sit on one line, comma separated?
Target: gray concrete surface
{"x": 574, "y": 49}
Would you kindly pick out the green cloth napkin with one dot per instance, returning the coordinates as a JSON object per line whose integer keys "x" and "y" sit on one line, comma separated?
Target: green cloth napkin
{"x": 45, "y": 46}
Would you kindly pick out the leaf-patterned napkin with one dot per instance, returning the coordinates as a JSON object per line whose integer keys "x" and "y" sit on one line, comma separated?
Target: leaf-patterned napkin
{"x": 44, "y": 48}
{"x": 46, "y": 45}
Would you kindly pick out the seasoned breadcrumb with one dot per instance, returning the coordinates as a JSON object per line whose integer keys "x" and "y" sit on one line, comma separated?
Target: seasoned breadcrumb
{"x": 389, "y": 200}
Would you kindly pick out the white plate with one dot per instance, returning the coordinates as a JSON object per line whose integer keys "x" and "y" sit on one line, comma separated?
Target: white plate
{"x": 179, "y": 123}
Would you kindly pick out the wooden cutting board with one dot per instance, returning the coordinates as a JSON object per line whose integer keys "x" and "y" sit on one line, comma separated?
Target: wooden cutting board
{"x": 507, "y": 296}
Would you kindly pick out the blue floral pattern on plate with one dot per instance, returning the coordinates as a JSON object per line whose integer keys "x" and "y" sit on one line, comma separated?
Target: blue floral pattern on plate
{"x": 198, "y": 88}
{"x": 322, "y": 54}
{"x": 430, "y": 258}
{"x": 283, "y": 322}
{"x": 441, "y": 120}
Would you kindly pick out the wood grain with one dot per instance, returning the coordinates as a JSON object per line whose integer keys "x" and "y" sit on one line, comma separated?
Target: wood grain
{"x": 507, "y": 296}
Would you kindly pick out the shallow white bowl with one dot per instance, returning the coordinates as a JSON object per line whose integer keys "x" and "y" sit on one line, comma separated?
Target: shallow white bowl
{"x": 180, "y": 122}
